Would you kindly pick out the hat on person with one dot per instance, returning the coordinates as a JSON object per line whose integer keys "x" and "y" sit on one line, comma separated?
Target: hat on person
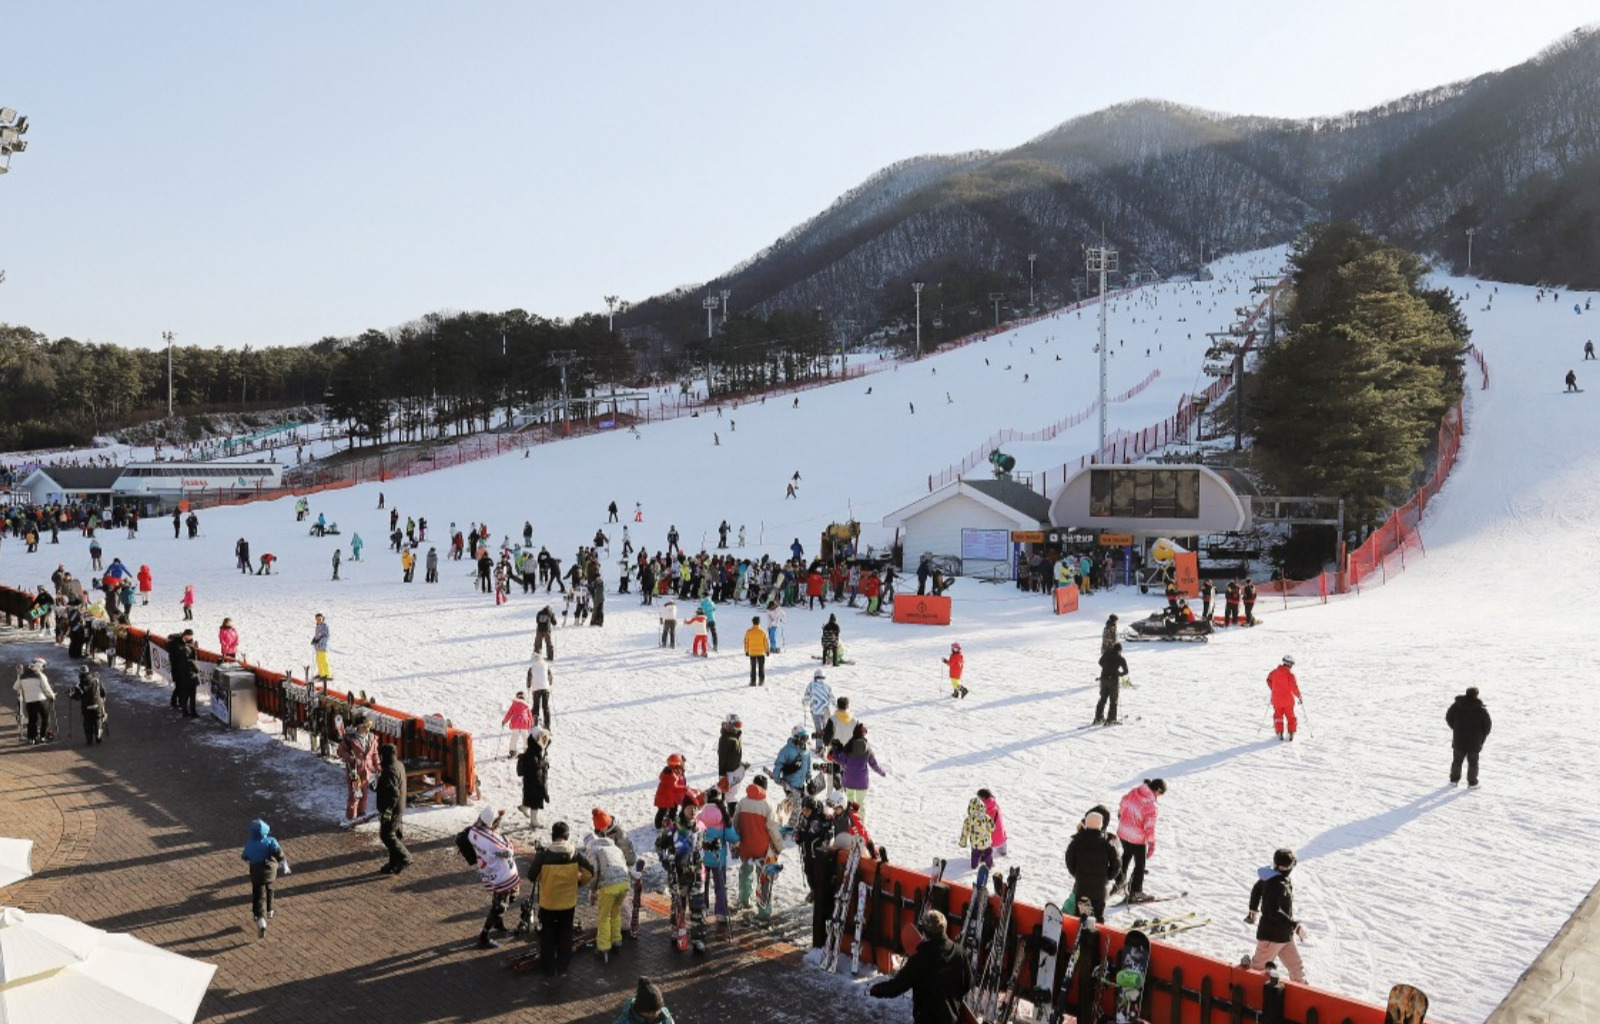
{"x": 38, "y": 660}
{"x": 602, "y": 820}
{"x": 955, "y": 648}
{"x": 487, "y": 815}
{"x": 647, "y": 997}
{"x": 1094, "y": 821}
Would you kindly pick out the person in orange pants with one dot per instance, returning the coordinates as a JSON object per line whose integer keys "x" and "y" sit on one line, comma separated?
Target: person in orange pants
{"x": 1285, "y": 693}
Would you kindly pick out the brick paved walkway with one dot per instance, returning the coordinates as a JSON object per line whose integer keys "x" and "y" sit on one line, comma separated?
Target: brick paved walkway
{"x": 142, "y": 834}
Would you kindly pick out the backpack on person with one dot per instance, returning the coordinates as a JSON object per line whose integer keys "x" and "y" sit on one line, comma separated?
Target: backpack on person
{"x": 469, "y": 853}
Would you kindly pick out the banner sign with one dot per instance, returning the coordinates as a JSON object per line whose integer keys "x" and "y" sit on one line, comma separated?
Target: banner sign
{"x": 1066, "y": 600}
{"x": 1186, "y": 572}
{"x": 923, "y": 611}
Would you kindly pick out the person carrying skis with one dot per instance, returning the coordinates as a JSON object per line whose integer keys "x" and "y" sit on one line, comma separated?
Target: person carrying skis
{"x": 755, "y": 648}
{"x": 32, "y": 688}
{"x": 937, "y": 975}
{"x": 1113, "y": 667}
{"x": 359, "y": 752}
{"x": 759, "y": 836}
{"x": 1092, "y": 862}
{"x": 497, "y": 870}
{"x": 1469, "y": 724}
{"x": 977, "y": 832}
{"x": 671, "y": 788}
{"x": 1285, "y": 692}
{"x": 957, "y": 661}
{"x": 730, "y": 754}
{"x": 813, "y": 834}
{"x": 91, "y": 692}
{"x": 1208, "y": 595}
{"x": 1272, "y": 912}
{"x": 519, "y": 716}
{"x": 1136, "y": 827}
{"x": 830, "y": 641}
{"x": 266, "y": 860}
{"x": 819, "y": 701}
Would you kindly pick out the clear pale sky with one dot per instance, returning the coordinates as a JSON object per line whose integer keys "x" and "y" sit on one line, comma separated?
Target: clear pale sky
{"x": 270, "y": 173}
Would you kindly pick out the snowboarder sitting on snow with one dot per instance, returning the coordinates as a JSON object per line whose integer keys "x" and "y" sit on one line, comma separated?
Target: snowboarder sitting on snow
{"x": 937, "y": 975}
{"x": 1272, "y": 901}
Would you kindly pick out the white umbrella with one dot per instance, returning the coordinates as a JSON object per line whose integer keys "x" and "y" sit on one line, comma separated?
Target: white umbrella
{"x": 55, "y": 969}
{"x": 16, "y": 860}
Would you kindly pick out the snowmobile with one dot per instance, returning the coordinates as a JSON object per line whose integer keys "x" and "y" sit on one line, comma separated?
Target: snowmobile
{"x": 1163, "y": 625}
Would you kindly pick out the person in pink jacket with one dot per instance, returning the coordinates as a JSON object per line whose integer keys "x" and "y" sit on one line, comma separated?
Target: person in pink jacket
{"x": 228, "y": 641}
{"x": 1136, "y": 827}
{"x": 991, "y": 807}
{"x": 520, "y": 718}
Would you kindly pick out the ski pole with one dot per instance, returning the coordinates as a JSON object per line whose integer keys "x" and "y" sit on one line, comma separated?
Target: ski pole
{"x": 1307, "y": 719}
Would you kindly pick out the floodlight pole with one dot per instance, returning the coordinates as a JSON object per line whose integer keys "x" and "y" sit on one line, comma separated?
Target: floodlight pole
{"x": 916, "y": 286}
{"x": 1031, "y": 257}
{"x": 1470, "y": 233}
{"x": 167, "y": 335}
{"x": 1103, "y": 260}
{"x": 611, "y": 313}
{"x": 995, "y": 298}
{"x": 725, "y": 294}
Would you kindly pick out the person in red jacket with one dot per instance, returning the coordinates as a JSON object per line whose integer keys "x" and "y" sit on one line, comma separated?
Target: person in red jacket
{"x": 814, "y": 589}
{"x": 147, "y": 583}
{"x": 671, "y": 790}
{"x": 957, "y": 661}
{"x": 1285, "y": 693}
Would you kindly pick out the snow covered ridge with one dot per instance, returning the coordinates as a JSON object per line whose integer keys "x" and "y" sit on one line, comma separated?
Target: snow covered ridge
{"x": 1400, "y": 877}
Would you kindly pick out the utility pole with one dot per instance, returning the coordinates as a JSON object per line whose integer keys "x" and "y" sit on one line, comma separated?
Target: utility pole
{"x": 1031, "y": 257}
{"x": 725, "y": 294}
{"x": 916, "y": 286}
{"x": 611, "y": 313}
{"x": 1104, "y": 261}
{"x": 167, "y": 336}
{"x": 995, "y": 298}
{"x": 1470, "y": 233}
{"x": 710, "y": 306}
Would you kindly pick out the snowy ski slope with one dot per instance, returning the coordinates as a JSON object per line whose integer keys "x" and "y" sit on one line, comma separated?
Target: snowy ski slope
{"x": 1401, "y": 878}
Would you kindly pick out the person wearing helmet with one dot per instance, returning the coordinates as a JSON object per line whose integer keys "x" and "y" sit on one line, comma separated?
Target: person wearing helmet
{"x": 819, "y": 701}
{"x": 359, "y": 752}
{"x": 957, "y": 662}
{"x": 497, "y": 871}
{"x": 1285, "y": 693}
{"x": 1272, "y": 912}
{"x": 33, "y": 689}
{"x": 792, "y": 769}
{"x": 670, "y": 789}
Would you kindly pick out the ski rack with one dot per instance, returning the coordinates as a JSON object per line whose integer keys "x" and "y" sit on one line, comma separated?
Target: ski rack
{"x": 1182, "y": 987}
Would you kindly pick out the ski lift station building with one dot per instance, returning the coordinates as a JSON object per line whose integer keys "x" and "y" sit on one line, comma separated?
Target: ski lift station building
{"x": 974, "y": 518}
{"x": 1150, "y": 500}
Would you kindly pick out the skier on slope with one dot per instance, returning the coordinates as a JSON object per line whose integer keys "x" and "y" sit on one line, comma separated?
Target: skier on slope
{"x": 1272, "y": 902}
{"x": 830, "y": 641}
{"x": 957, "y": 661}
{"x": 1136, "y": 827}
{"x": 1113, "y": 667}
{"x": 1285, "y": 693}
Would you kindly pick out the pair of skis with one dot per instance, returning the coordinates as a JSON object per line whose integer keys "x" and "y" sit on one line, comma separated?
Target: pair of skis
{"x": 841, "y": 909}
{"x": 984, "y": 1000}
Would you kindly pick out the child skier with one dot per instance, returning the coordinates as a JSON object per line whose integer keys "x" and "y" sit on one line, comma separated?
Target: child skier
{"x": 697, "y": 625}
{"x": 991, "y": 807}
{"x": 266, "y": 859}
{"x": 1272, "y": 902}
{"x": 519, "y": 716}
{"x": 671, "y": 788}
{"x": 957, "y": 662}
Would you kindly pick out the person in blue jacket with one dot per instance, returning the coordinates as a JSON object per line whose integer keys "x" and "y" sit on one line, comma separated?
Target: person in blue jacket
{"x": 266, "y": 859}
{"x": 716, "y": 843}
{"x": 793, "y": 766}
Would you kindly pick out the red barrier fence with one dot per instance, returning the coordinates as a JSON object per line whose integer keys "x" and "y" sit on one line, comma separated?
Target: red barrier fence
{"x": 427, "y": 745}
{"x": 1387, "y": 546}
{"x": 1183, "y": 987}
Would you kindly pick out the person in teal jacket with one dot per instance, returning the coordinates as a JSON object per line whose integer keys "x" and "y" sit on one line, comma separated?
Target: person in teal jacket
{"x": 266, "y": 859}
{"x": 646, "y": 1006}
{"x": 719, "y": 838}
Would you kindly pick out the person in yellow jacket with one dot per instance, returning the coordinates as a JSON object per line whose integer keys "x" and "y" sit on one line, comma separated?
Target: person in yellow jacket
{"x": 559, "y": 871}
{"x": 756, "y": 646}
{"x": 408, "y": 564}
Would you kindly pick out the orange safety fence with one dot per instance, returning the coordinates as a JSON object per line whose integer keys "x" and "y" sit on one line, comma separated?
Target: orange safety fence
{"x": 1385, "y": 549}
{"x": 423, "y": 741}
{"x": 1182, "y": 987}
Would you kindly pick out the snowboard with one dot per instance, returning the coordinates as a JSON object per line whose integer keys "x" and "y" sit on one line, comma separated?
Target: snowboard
{"x": 910, "y": 937}
{"x": 1407, "y": 1005}
{"x": 1133, "y": 967}
{"x": 971, "y": 937}
{"x": 638, "y": 898}
{"x": 767, "y": 875}
{"x": 1044, "y": 974}
{"x": 1088, "y": 942}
